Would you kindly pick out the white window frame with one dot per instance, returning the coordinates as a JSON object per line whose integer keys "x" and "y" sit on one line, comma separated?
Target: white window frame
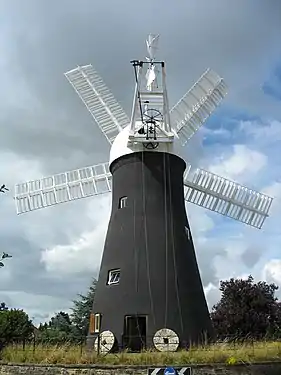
{"x": 97, "y": 323}
{"x": 123, "y": 202}
{"x": 111, "y": 274}
{"x": 187, "y": 232}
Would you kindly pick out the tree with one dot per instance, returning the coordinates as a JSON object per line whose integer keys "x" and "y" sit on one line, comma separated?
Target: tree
{"x": 4, "y": 256}
{"x": 59, "y": 329}
{"x": 42, "y": 327}
{"x": 82, "y": 309}
{"x": 62, "y": 327}
{"x": 3, "y": 306}
{"x": 3, "y": 188}
{"x": 247, "y": 309}
{"x": 14, "y": 326}
{"x": 61, "y": 321}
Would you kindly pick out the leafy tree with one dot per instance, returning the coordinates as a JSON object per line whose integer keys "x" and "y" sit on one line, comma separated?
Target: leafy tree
{"x": 42, "y": 327}
{"x": 3, "y": 306}
{"x": 3, "y": 188}
{"x": 61, "y": 321}
{"x": 246, "y": 309}
{"x": 59, "y": 329}
{"x": 82, "y": 308}
{"x": 4, "y": 256}
{"x": 52, "y": 336}
{"x": 62, "y": 327}
{"x": 14, "y": 326}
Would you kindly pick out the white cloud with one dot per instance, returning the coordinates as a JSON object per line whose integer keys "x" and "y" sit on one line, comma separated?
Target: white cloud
{"x": 212, "y": 294}
{"x": 45, "y": 129}
{"x": 263, "y": 132}
{"x": 274, "y": 191}
{"x": 39, "y": 307}
{"x": 17, "y": 169}
{"x": 272, "y": 271}
{"x": 83, "y": 254}
{"x": 200, "y": 221}
{"x": 240, "y": 165}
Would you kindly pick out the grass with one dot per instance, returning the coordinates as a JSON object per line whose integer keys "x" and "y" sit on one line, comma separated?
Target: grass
{"x": 218, "y": 353}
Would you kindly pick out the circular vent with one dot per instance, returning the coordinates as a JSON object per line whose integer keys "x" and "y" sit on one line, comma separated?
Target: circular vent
{"x": 106, "y": 342}
{"x": 166, "y": 340}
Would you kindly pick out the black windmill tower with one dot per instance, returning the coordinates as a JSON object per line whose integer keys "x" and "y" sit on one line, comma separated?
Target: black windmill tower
{"x": 149, "y": 291}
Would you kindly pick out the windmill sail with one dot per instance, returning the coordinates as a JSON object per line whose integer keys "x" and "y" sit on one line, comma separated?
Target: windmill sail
{"x": 226, "y": 197}
{"x": 63, "y": 187}
{"x": 193, "y": 109}
{"x": 106, "y": 111}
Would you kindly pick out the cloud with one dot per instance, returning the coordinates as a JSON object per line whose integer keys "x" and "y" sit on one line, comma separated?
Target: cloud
{"x": 243, "y": 163}
{"x": 263, "y": 131}
{"x": 45, "y": 129}
{"x": 252, "y": 255}
{"x": 40, "y": 307}
{"x": 83, "y": 253}
{"x": 213, "y": 294}
{"x": 75, "y": 257}
{"x": 272, "y": 271}
{"x": 274, "y": 190}
{"x": 201, "y": 221}
{"x": 272, "y": 86}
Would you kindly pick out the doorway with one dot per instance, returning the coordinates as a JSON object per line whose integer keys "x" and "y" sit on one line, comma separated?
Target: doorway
{"x": 134, "y": 337}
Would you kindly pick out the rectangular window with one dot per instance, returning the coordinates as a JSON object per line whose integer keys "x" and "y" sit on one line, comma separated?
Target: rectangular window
{"x": 187, "y": 232}
{"x": 97, "y": 323}
{"x": 113, "y": 277}
{"x": 123, "y": 202}
{"x": 94, "y": 323}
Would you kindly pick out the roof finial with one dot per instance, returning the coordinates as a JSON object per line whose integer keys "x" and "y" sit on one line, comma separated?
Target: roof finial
{"x": 151, "y": 75}
{"x": 152, "y": 46}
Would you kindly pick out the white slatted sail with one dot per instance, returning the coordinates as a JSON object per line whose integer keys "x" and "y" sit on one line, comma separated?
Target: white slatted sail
{"x": 106, "y": 111}
{"x": 63, "y": 187}
{"x": 226, "y": 197}
{"x": 193, "y": 109}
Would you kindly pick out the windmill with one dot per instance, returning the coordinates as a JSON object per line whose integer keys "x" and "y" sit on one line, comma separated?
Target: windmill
{"x": 149, "y": 292}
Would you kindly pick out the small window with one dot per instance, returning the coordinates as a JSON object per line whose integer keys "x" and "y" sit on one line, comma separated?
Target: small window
{"x": 187, "y": 232}
{"x": 94, "y": 323}
{"x": 97, "y": 323}
{"x": 123, "y": 202}
{"x": 113, "y": 277}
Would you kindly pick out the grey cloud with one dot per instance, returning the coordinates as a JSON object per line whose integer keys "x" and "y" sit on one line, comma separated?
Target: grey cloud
{"x": 42, "y": 120}
{"x": 252, "y": 255}
{"x": 213, "y": 296}
{"x": 35, "y": 304}
{"x": 206, "y": 254}
{"x": 46, "y": 41}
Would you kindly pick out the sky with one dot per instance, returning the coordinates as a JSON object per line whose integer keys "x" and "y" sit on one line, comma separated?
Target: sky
{"x": 45, "y": 129}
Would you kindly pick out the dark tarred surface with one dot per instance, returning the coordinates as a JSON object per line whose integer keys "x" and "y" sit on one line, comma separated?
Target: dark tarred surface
{"x": 147, "y": 240}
